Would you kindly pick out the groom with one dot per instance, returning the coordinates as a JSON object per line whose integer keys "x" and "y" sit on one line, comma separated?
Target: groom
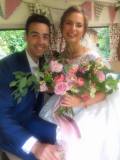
{"x": 22, "y": 132}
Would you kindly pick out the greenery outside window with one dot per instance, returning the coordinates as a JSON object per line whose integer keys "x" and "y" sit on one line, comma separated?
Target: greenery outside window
{"x": 13, "y": 40}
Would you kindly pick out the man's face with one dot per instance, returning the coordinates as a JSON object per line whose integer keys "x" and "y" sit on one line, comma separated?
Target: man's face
{"x": 37, "y": 39}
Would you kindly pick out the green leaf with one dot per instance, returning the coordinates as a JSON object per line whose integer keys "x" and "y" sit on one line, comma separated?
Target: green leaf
{"x": 24, "y": 92}
{"x": 65, "y": 111}
{"x": 23, "y": 83}
{"x": 13, "y": 84}
{"x": 19, "y": 99}
{"x": 41, "y": 74}
{"x": 46, "y": 67}
{"x": 48, "y": 78}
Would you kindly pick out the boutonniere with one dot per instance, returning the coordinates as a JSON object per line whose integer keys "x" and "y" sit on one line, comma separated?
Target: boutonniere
{"x": 22, "y": 83}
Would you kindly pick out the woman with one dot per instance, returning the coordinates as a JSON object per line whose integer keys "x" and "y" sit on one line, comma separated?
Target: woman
{"x": 97, "y": 118}
{"x": 74, "y": 27}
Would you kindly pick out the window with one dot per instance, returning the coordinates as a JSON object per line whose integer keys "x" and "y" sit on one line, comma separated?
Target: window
{"x": 11, "y": 41}
{"x": 101, "y": 38}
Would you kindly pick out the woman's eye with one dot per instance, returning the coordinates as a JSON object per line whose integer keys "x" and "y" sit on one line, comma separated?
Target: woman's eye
{"x": 79, "y": 25}
{"x": 68, "y": 23}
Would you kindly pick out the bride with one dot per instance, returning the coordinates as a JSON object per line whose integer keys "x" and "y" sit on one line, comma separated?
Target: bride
{"x": 98, "y": 118}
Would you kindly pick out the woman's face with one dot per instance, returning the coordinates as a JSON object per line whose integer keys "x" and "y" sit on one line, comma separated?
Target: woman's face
{"x": 73, "y": 28}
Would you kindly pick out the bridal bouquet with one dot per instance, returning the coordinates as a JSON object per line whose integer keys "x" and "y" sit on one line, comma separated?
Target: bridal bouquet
{"x": 83, "y": 80}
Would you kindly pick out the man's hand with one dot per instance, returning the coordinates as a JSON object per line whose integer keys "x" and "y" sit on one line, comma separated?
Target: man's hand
{"x": 44, "y": 151}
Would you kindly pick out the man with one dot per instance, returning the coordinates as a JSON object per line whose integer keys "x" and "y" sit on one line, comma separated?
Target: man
{"x": 22, "y": 132}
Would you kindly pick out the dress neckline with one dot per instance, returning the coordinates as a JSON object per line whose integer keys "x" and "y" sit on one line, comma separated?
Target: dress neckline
{"x": 81, "y": 56}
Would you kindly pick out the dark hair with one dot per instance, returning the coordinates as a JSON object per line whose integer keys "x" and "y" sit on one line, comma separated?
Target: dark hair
{"x": 71, "y": 10}
{"x": 36, "y": 18}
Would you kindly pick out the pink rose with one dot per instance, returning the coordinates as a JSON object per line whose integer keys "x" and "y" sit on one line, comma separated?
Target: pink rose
{"x": 61, "y": 88}
{"x": 43, "y": 87}
{"x": 55, "y": 66}
{"x": 80, "y": 81}
{"x": 59, "y": 78}
{"x": 100, "y": 75}
{"x": 70, "y": 78}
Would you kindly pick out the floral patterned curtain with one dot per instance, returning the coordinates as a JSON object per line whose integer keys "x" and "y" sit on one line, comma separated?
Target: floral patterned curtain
{"x": 114, "y": 40}
{"x": 57, "y": 41}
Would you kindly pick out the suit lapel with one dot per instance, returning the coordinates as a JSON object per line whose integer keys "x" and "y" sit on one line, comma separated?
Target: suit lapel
{"x": 23, "y": 62}
{"x": 41, "y": 62}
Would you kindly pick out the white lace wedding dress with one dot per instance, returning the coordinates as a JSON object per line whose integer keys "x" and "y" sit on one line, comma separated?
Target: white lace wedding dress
{"x": 99, "y": 126}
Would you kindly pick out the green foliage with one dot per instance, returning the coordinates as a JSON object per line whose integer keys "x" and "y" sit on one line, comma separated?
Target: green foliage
{"x": 25, "y": 81}
{"x": 12, "y": 40}
{"x": 104, "y": 42}
{"x": 61, "y": 111}
{"x": 21, "y": 84}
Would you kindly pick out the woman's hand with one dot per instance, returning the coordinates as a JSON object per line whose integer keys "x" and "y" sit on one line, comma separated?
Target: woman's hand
{"x": 76, "y": 101}
{"x": 70, "y": 101}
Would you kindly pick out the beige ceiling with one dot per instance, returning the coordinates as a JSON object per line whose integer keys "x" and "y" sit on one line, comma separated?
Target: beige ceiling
{"x": 62, "y": 4}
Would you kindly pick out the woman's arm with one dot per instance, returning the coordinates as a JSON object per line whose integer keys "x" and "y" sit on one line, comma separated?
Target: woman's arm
{"x": 75, "y": 101}
{"x": 98, "y": 97}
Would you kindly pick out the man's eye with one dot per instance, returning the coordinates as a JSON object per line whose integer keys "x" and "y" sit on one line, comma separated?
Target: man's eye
{"x": 34, "y": 35}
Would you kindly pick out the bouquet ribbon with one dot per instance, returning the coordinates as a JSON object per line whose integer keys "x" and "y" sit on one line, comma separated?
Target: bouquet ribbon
{"x": 68, "y": 125}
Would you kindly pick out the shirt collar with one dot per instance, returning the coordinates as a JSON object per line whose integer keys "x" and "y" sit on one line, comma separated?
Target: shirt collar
{"x": 31, "y": 62}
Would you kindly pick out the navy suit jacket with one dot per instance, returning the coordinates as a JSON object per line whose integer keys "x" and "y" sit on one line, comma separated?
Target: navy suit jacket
{"x": 19, "y": 121}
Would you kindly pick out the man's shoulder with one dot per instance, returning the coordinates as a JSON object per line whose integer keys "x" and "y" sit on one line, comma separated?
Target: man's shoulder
{"x": 12, "y": 57}
{"x": 12, "y": 60}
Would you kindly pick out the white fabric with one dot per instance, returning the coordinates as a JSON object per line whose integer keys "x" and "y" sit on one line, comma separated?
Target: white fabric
{"x": 33, "y": 65}
{"x": 99, "y": 126}
{"x": 29, "y": 144}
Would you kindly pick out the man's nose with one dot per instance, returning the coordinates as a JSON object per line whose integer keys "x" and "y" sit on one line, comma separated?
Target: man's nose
{"x": 40, "y": 39}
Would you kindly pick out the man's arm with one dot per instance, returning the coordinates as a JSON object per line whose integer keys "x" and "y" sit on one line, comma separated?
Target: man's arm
{"x": 11, "y": 132}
